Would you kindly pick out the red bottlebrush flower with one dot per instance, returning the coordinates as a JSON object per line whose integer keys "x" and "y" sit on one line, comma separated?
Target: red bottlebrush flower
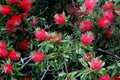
{"x": 3, "y": 45}
{"x": 14, "y": 55}
{"x": 117, "y": 11}
{"x": 108, "y": 33}
{"x": 13, "y": 1}
{"x": 24, "y": 45}
{"x": 28, "y": 78}
{"x": 109, "y": 15}
{"x": 87, "y": 38}
{"x": 5, "y": 10}
{"x": 16, "y": 20}
{"x": 105, "y": 77}
{"x": 35, "y": 22}
{"x": 24, "y": 15}
{"x": 37, "y": 56}
{"x": 116, "y": 77}
{"x": 26, "y": 5}
{"x": 89, "y": 5}
{"x": 60, "y": 19}
{"x": 103, "y": 22}
{"x": 108, "y": 6}
{"x": 7, "y": 68}
{"x": 41, "y": 35}
{"x": 57, "y": 37}
{"x": 96, "y": 64}
{"x": 88, "y": 56}
{"x": 85, "y": 26}
{"x": 3, "y": 53}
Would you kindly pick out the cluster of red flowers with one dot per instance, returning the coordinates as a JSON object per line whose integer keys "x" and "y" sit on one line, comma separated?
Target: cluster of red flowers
{"x": 12, "y": 55}
{"x": 12, "y": 25}
{"x": 16, "y": 19}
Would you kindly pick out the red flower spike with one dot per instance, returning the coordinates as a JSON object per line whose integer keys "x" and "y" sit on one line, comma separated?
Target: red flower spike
{"x": 37, "y": 56}
{"x": 60, "y": 19}
{"x": 16, "y": 20}
{"x": 3, "y": 53}
{"x": 105, "y": 77}
{"x": 89, "y": 5}
{"x": 14, "y": 55}
{"x": 96, "y": 64}
{"x": 103, "y": 22}
{"x": 24, "y": 45}
{"x": 87, "y": 39}
{"x": 35, "y": 22}
{"x": 108, "y": 6}
{"x": 85, "y": 26}
{"x": 109, "y": 15}
{"x": 108, "y": 33}
{"x": 88, "y": 56}
{"x": 13, "y": 1}
{"x": 116, "y": 77}
{"x": 3, "y": 45}
{"x": 41, "y": 35}
{"x": 7, "y": 68}
{"x": 28, "y": 78}
{"x": 5, "y": 10}
{"x": 25, "y": 5}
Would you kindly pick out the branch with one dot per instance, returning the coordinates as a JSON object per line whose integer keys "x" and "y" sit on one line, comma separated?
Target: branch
{"x": 45, "y": 72}
{"x": 107, "y": 52}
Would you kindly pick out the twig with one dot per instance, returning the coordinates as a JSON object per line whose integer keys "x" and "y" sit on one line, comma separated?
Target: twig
{"x": 26, "y": 63}
{"x": 45, "y": 72}
{"x": 105, "y": 51}
{"x": 42, "y": 11}
{"x": 66, "y": 69}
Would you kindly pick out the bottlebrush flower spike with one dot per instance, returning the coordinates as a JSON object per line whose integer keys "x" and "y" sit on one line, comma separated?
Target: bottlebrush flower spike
{"x": 24, "y": 45}
{"x": 35, "y": 22}
{"x": 16, "y": 20}
{"x": 96, "y": 64}
{"x": 14, "y": 55}
{"x": 109, "y": 15}
{"x": 103, "y": 22}
{"x": 57, "y": 37}
{"x": 5, "y": 10}
{"x": 85, "y": 26}
{"x": 117, "y": 11}
{"x": 108, "y": 6}
{"x": 60, "y": 19}
{"x": 89, "y": 5}
{"x": 108, "y": 33}
{"x": 25, "y": 5}
{"x": 88, "y": 56}
{"x": 41, "y": 34}
{"x": 37, "y": 56}
{"x": 116, "y": 77}
{"x": 3, "y": 45}
{"x": 3, "y": 53}
{"x": 105, "y": 77}
{"x": 7, "y": 68}
{"x": 87, "y": 38}
{"x": 28, "y": 78}
{"x": 13, "y": 1}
